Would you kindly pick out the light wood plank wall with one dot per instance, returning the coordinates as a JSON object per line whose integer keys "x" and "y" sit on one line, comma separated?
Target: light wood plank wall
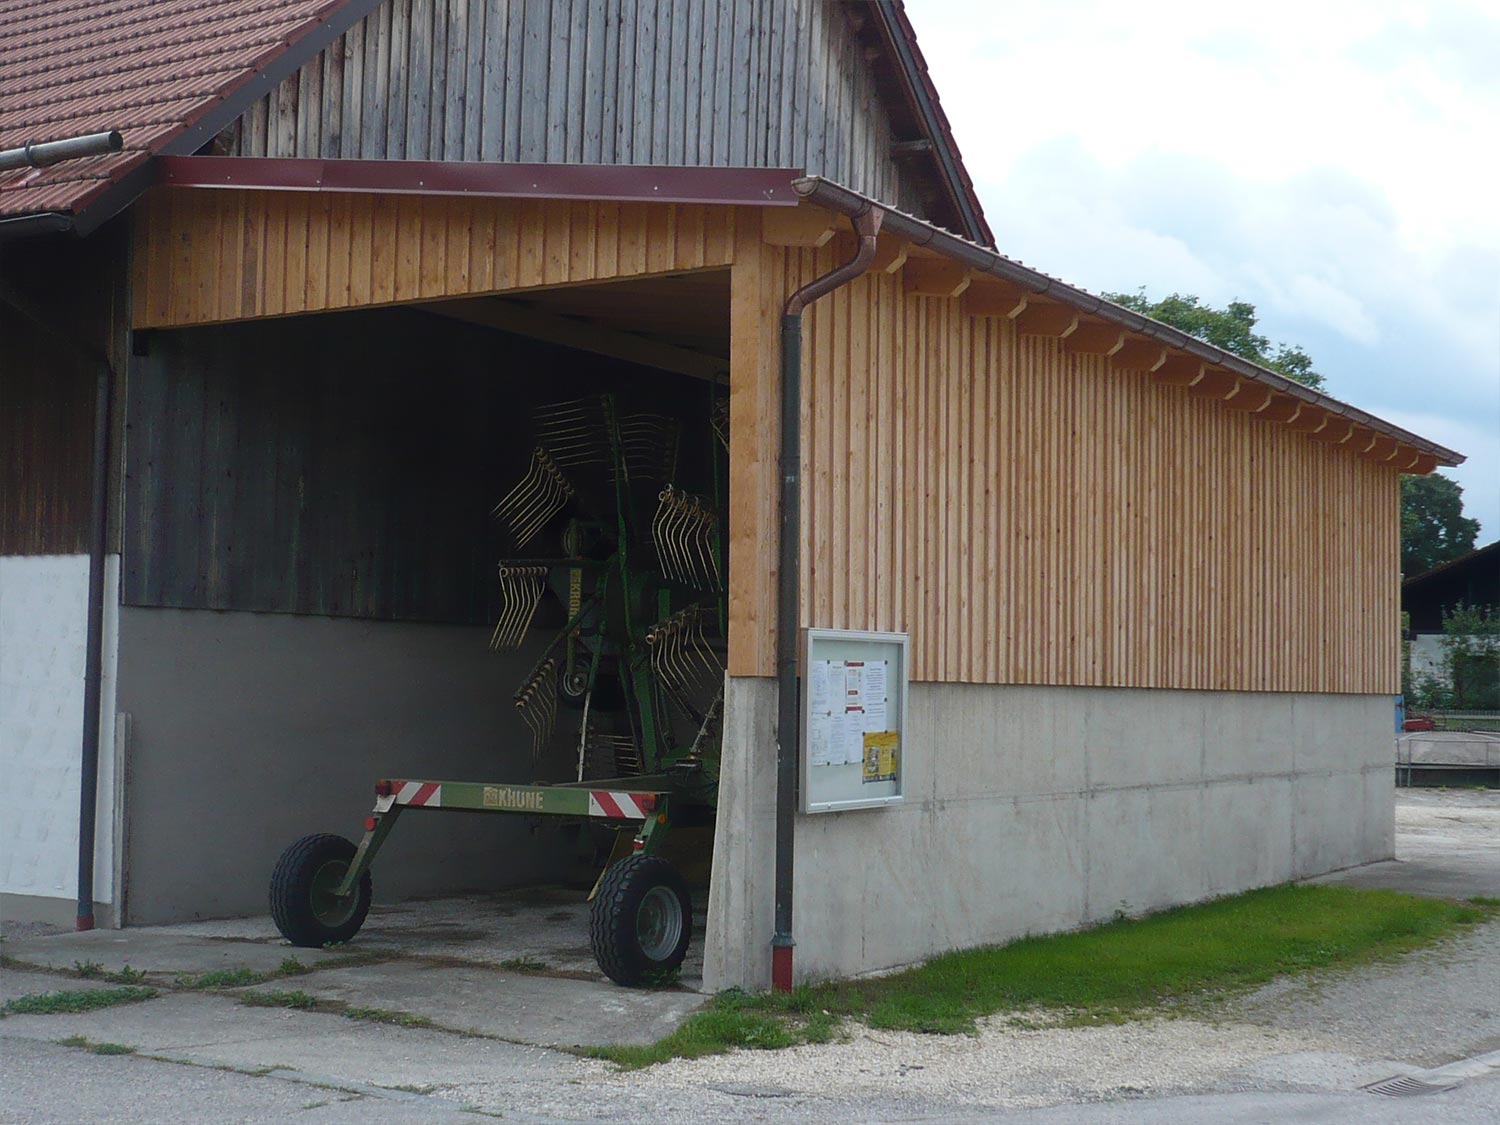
{"x": 757, "y": 83}
{"x": 1033, "y": 517}
{"x": 1028, "y": 516}
{"x": 207, "y": 256}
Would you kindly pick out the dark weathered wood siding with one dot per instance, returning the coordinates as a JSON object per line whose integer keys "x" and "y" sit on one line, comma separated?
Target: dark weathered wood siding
{"x": 48, "y": 385}
{"x": 758, "y": 83}
{"x": 340, "y": 466}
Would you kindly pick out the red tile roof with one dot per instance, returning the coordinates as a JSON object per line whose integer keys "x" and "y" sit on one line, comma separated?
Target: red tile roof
{"x": 152, "y": 69}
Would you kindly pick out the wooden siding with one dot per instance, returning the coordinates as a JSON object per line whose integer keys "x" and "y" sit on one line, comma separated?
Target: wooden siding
{"x": 206, "y": 256}
{"x": 48, "y": 386}
{"x": 1031, "y": 517}
{"x": 749, "y": 83}
{"x": 1027, "y": 514}
{"x": 283, "y": 467}
{"x": 46, "y": 443}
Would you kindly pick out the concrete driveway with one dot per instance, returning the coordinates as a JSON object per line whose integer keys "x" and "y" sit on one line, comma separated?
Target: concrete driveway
{"x": 481, "y": 994}
{"x": 514, "y": 966}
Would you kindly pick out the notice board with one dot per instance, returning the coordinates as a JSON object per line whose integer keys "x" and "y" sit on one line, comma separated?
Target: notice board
{"x": 853, "y": 719}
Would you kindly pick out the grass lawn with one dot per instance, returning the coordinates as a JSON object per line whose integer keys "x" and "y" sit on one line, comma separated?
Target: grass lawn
{"x": 1121, "y": 970}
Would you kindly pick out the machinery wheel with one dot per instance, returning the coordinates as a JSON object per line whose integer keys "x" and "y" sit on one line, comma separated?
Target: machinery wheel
{"x": 303, "y": 904}
{"x": 641, "y": 920}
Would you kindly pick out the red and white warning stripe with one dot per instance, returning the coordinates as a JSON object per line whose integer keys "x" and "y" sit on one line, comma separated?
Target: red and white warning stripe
{"x": 426, "y": 794}
{"x": 621, "y": 806}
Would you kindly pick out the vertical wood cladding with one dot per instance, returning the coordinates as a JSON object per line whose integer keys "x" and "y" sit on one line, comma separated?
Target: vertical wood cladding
{"x": 46, "y": 443}
{"x": 339, "y": 466}
{"x": 48, "y": 386}
{"x": 1033, "y": 517}
{"x": 203, "y": 256}
{"x": 748, "y": 83}
{"x": 1029, "y": 516}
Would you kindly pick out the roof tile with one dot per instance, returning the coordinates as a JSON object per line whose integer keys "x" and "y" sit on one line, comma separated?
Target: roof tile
{"x": 149, "y": 68}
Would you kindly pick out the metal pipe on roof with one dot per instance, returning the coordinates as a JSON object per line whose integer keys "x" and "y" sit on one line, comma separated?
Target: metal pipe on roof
{"x": 789, "y": 582}
{"x": 834, "y": 197}
{"x": 41, "y": 154}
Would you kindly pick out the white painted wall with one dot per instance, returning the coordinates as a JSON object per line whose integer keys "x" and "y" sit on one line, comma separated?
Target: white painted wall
{"x": 43, "y": 627}
{"x": 1036, "y": 809}
{"x": 1427, "y": 656}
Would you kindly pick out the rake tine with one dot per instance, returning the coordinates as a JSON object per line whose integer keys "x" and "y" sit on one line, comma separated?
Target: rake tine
{"x": 679, "y": 541}
{"x": 700, "y": 543}
{"x": 521, "y": 514}
{"x": 658, "y": 525}
{"x": 523, "y": 486}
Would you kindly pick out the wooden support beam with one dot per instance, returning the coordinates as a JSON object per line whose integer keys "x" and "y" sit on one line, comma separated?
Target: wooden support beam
{"x": 1137, "y": 354}
{"x": 918, "y": 147}
{"x": 890, "y": 254}
{"x": 1425, "y": 463}
{"x": 1310, "y": 419}
{"x": 991, "y": 297}
{"x": 1362, "y": 440}
{"x": 806, "y": 226}
{"x": 1038, "y": 319}
{"x": 935, "y": 278}
{"x": 517, "y": 318}
{"x": 1281, "y": 408}
{"x": 1336, "y": 432}
{"x": 1215, "y": 383}
{"x": 1250, "y": 397}
{"x": 1406, "y": 458}
{"x": 1095, "y": 337}
{"x": 1178, "y": 369}
{"x": 1382, "y": 449}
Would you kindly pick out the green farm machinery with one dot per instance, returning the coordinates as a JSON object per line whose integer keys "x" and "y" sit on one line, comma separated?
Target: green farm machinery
{"x": 629, "y": 691}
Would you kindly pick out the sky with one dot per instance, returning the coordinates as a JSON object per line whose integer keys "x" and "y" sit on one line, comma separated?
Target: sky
{"x": 1336, "y": 164}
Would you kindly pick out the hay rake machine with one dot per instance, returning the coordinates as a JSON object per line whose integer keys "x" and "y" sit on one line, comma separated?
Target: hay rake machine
{"x": 630, "y": 689}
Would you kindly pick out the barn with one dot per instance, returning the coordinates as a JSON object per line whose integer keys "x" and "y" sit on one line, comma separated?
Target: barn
{"x": 274, "y": 370}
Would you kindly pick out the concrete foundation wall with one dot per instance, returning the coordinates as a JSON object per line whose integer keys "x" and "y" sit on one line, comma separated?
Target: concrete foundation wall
{"x": 249, "y": 730}
{"x": 1037, "y": 809}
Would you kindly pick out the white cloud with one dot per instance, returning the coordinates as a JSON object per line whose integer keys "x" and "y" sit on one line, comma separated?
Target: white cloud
{"x": 1334, "y": 163}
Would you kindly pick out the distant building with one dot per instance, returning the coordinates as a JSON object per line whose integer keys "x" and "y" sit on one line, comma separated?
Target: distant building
{"x": 1472, "y": 580}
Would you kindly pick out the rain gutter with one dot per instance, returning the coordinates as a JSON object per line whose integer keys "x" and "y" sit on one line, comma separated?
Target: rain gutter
{"x": 824, "y": 193}
{"x": 789, "y": 581}
{"x": 625, "y": 183}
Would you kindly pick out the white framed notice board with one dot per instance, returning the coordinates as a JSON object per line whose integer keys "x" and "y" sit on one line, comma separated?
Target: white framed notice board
{"x": 853, "y": 719}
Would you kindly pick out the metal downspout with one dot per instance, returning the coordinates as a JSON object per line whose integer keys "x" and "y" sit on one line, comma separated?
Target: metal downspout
{"x": 93, "y": 671}
{"x": 788, "y": 581}
{"x": 93, "y": 675}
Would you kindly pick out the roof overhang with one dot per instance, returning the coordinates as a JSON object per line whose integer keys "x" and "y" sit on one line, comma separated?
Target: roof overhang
{"x": 1208, "y": 369}
{"x": 834, "y": 197}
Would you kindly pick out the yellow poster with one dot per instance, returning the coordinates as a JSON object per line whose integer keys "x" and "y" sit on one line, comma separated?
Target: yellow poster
{"x": 882, "y": 755}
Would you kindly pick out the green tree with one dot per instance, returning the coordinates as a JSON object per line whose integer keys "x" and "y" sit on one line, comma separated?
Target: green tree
{"x": 1231, "y": 329}
{"x": 1434, "y": 529}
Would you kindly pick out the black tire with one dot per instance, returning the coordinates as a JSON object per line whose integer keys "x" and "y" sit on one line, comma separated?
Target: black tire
{"x": 641, "y": 920}
{"x": 302, "y": 905}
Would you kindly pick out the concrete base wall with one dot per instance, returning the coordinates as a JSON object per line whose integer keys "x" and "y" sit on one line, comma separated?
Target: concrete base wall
{"x": 1036, "y": 809}
{"x": 249, "y": 730}
{"x": 60, "y": 912}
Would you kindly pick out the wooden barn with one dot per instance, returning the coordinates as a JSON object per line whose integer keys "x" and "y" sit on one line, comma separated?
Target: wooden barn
{"x": 268, "y": 370}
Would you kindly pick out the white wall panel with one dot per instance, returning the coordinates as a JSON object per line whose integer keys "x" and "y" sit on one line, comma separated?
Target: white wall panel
{"x": 43, "y": 625}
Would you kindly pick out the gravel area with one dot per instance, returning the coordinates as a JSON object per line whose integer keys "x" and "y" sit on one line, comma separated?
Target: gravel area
{"x": 1001, "y": 1066}
{"x": 1332, "y": 1031}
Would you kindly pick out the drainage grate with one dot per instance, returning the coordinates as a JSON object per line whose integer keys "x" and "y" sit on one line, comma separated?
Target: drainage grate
{"x": 1403, "y": 1086}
